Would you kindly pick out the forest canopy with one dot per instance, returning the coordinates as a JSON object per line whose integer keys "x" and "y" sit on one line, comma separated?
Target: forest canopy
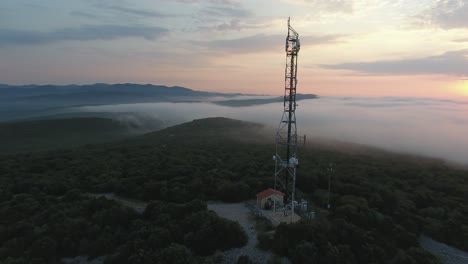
{"x": 381, "y": 202}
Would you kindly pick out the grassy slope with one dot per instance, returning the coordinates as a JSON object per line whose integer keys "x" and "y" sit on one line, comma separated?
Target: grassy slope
{"x": 52, "y": 134}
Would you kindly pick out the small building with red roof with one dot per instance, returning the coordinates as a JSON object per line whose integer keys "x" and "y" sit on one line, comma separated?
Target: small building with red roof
{"x": 267, "y": 198}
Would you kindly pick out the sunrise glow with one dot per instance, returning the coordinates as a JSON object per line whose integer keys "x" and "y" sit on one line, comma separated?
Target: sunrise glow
{"x": 461, "y": 88}
{"x": 350, "y": 47}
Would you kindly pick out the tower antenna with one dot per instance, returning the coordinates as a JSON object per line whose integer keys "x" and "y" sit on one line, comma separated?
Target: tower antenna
{"x": 286, "y": 160}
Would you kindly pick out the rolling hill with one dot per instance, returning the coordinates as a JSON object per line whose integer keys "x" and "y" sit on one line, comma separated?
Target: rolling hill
{"x": 38, "y": 135}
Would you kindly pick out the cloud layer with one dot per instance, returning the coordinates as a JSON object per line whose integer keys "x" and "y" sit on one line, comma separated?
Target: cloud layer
{"x": 446, "y": 14}
{"x": 263, "y": 43}
{"x": 450, "y": 63}
{"x": 329, "y": 6}
{"x": 132, "y": 11}
{"x": 83, "y": 33}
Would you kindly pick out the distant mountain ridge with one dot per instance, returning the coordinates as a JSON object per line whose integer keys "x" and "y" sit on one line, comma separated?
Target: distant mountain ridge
{"x": 29, "y": 101}
{"x": 137, "y": 92}
{"x": 36, "y": 100}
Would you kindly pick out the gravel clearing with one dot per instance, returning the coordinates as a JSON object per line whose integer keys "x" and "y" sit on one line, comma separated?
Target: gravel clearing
{"x": 240, "y": 213}
{"x": 448, "y": 255}
{"x": 233, "y": 211}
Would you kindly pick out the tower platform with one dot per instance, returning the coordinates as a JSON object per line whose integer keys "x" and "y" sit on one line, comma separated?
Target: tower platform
{"x": 278, "y": 217}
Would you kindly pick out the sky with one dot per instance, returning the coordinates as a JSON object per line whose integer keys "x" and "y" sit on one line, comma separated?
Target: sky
{"x": 412, "y": 48}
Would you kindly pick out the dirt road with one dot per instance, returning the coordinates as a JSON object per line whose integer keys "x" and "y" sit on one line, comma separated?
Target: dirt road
{"x": 240, "y": 213}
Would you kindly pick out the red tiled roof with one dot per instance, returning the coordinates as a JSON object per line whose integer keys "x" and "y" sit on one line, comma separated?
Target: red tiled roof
{"x": 267, "y": 193}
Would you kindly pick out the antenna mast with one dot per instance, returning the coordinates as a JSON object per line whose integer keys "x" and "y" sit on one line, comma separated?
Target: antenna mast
{"x": 286, "y": 160}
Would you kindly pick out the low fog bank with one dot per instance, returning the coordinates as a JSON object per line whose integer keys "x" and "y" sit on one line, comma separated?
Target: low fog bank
{"x": 423, "y": 126}
{"x": 138, "y": 123}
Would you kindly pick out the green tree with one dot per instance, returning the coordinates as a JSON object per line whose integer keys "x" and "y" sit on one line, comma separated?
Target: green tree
{"x": 305, "y": 252}
{"x": 175, "y": 254}
{"x": 44, "y": 248}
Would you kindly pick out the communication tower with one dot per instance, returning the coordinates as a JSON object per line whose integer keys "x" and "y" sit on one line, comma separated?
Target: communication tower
{"x": 285, "y": 158}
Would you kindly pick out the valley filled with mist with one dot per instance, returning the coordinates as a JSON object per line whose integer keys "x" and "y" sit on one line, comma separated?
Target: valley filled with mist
{"x": 422, "y": 126}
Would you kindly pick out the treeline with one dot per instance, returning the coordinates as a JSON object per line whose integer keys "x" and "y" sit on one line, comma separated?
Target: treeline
{"x": 53, "y": 134}
{"x": 420, "y": 195}
{"x": 380, "y": 203}
{"x": 338, "y": 241}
